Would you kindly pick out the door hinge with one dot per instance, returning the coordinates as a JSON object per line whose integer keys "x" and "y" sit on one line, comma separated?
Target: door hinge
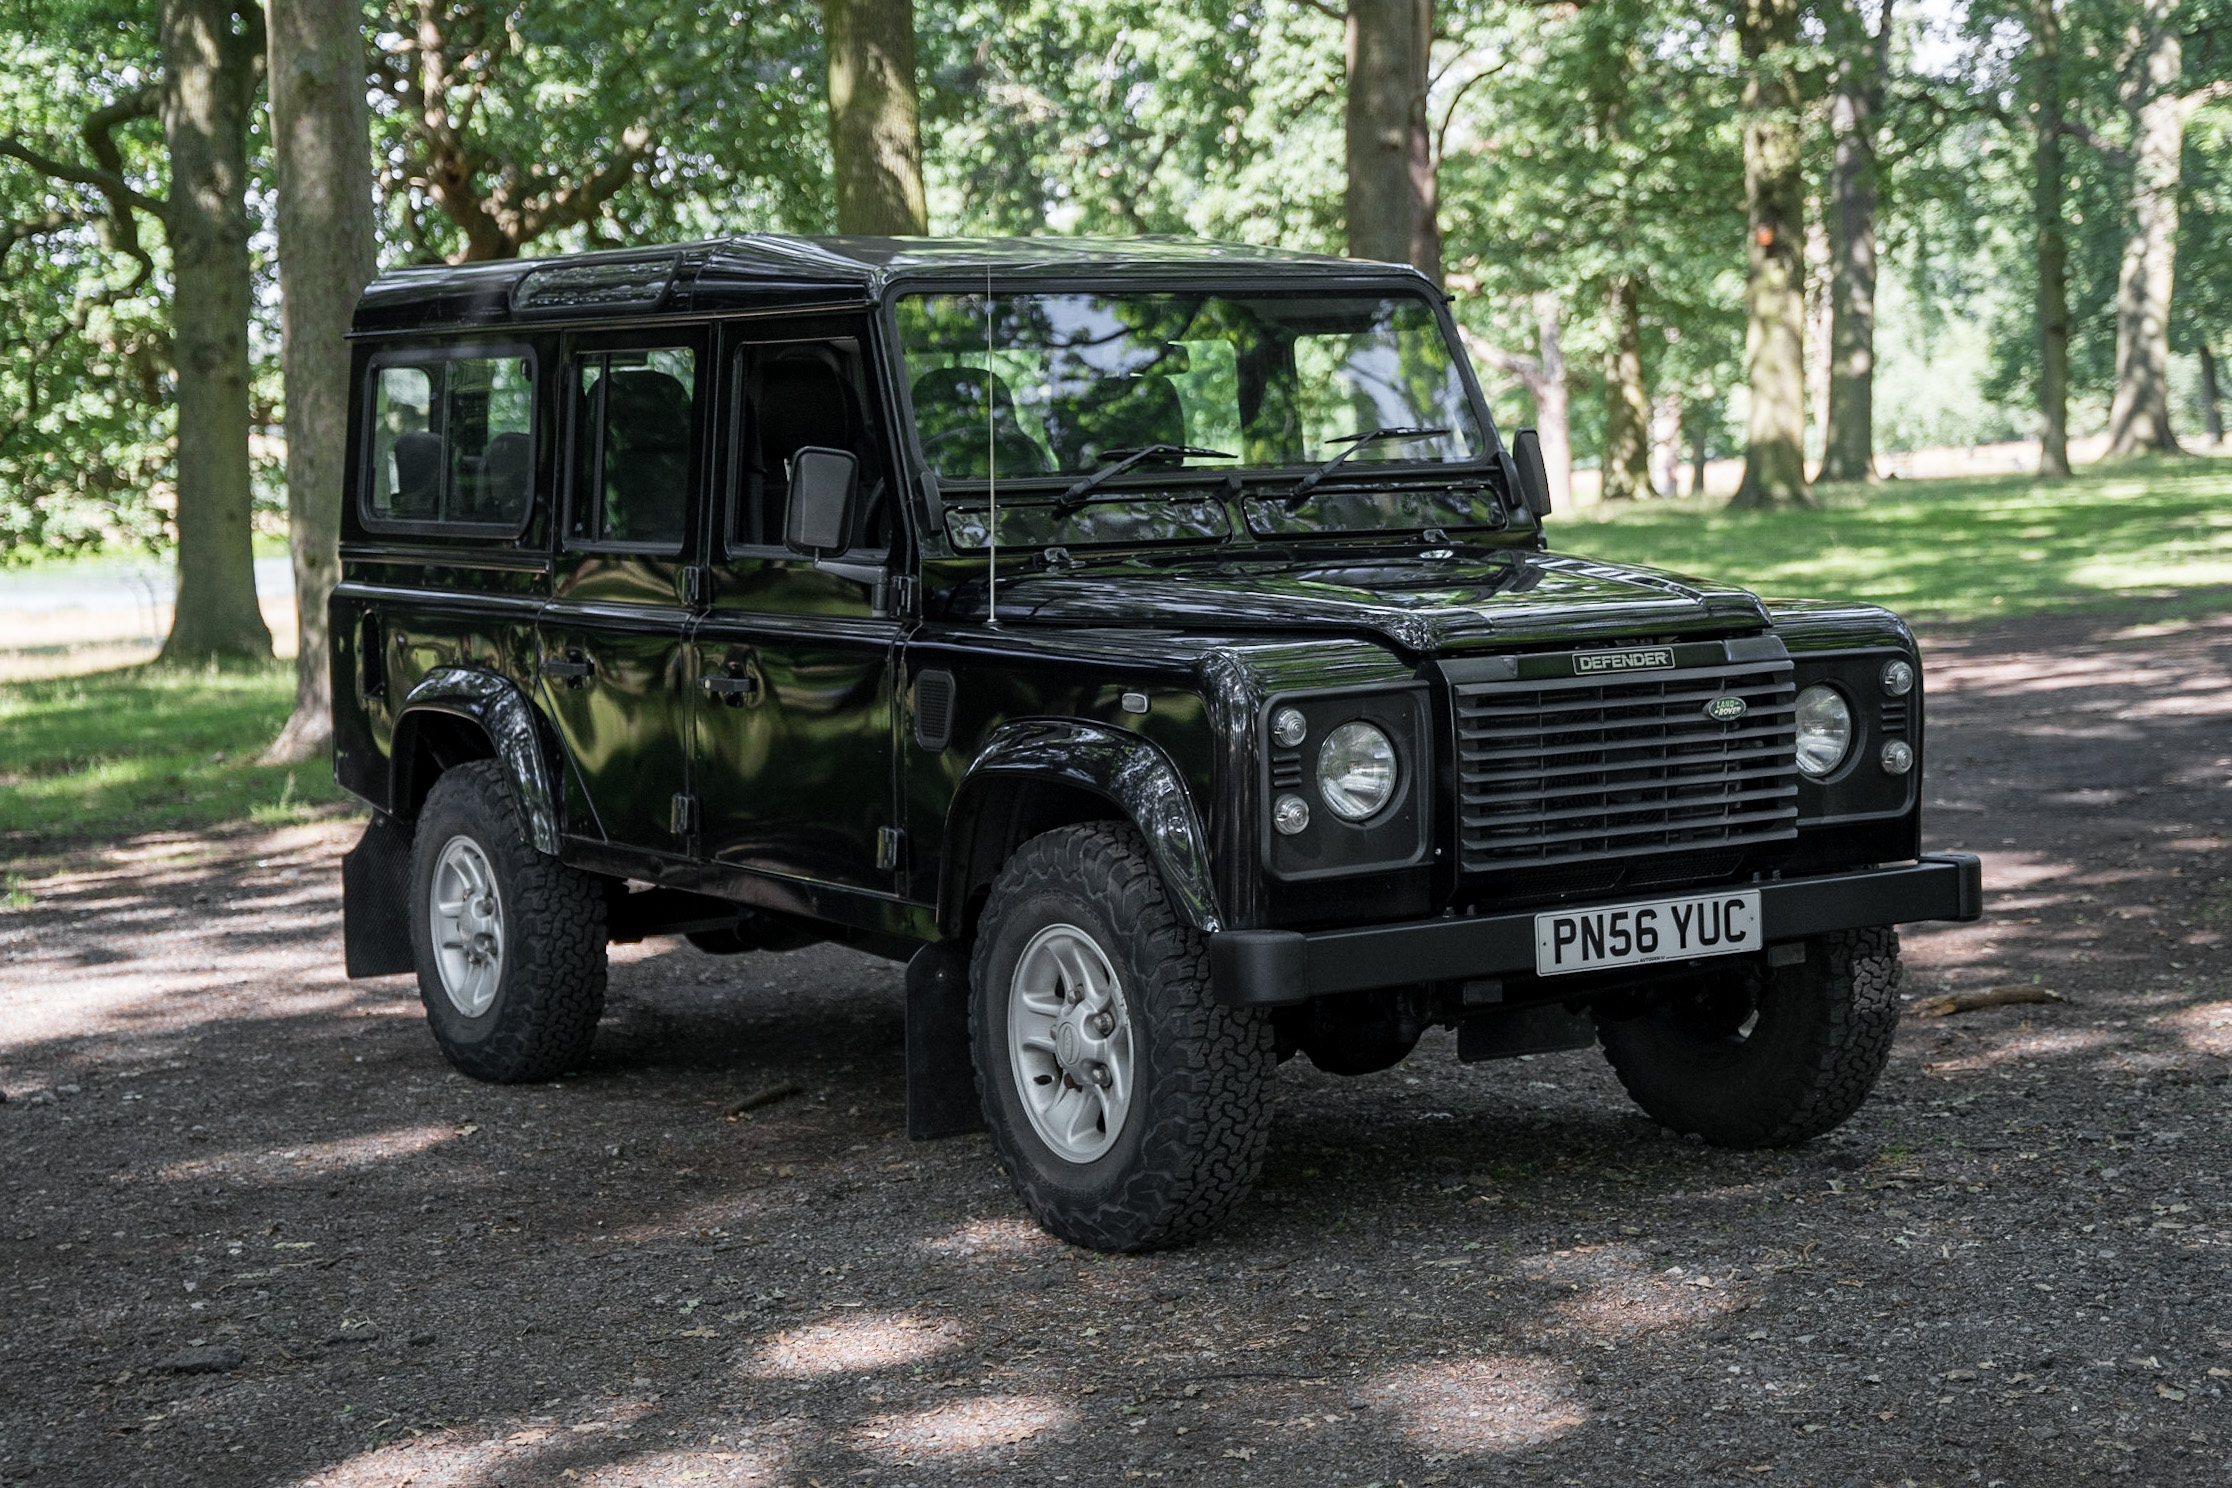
{"x": 682, "y": 816}
{"x": 891, "y": 848}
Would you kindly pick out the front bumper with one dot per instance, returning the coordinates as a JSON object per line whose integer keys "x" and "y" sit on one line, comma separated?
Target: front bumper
{"x": 1270, "y": 968}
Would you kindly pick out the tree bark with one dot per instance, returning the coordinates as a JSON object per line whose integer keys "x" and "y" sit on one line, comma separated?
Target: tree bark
{"x": 1391, "y": 188}
{"x": 2139, "y": 411}
{"x": 1627, "y": 406}
{"x": 209, "y": 83}
{"x": 322, "y": 149}
{"x": 1774, "y": 291}
{"x": 1553, "y": 419}
{"x": 2212, "y": 406}
{"x": 875, "y": 123}
{"x": 1848, "y": 442}
{"x": 2050, "y": 236}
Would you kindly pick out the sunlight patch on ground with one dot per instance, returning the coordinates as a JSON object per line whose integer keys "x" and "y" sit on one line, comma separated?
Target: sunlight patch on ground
{"x": 992, "y": 1237}
{"x": 2206, "y": 1029}
{"x": 1497, "y": 1403}
{"x": 964, "y": 1428}
{"x": 878, "y": 1341}
{"x": 1621, "y": 1296}
{"x": 340, "y": 1155}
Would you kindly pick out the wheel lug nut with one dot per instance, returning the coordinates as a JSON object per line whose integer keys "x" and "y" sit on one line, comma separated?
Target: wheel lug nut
{"x": 1104, "y": 1023}
{"x": 1098, "y": 1074}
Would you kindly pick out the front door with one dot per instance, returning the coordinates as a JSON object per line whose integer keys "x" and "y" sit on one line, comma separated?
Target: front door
{"x": 793, "y": 751}
{"x": 614, "y": 642}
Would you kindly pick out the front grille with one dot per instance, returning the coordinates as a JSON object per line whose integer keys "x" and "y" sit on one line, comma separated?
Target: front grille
{"x": 1584, "y": 769}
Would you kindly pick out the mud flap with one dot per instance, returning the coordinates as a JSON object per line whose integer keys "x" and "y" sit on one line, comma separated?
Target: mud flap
{"x": 941, "y": 1079}
{"x": 1506, "y": 1034}
{"x": 375, "y": 900}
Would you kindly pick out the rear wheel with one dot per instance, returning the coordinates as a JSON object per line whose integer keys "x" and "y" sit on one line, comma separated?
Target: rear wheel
{"x": 1760, "y": 1057}
{"x": 1130, "y": 1107}
{"x": 509, "y": 942}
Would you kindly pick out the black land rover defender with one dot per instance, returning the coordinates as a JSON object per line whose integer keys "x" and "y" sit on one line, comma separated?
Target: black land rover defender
{"x": 1153, "y": 644}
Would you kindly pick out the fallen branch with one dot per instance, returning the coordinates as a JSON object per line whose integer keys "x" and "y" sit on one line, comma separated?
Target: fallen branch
{"x": 1990, "y": 997}
{"x": 767, "y": 1097}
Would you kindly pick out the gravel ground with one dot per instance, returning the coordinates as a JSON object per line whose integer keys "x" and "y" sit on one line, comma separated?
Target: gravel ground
{"x": 255, "y": 1232}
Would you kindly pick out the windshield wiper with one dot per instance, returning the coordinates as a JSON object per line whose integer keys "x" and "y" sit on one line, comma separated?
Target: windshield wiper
{"x": 1086, "y": 485}
{"x": 1355, "y": 442}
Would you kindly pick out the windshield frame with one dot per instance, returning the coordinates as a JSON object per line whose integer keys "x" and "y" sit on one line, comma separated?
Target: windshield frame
{"x": 1235, "y": 480}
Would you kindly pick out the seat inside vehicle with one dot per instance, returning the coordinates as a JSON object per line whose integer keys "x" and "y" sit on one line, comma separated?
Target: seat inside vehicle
{"x": 950, "y": 415}
{"x": 1116, "y": 413}
{"x": 646, "y": 456}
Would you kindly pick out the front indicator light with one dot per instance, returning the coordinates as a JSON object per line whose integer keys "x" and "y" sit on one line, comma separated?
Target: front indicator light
{"x": 1898, "y": 678}
{"x": 1824, "y": 730}
{"x": 1356, "y": 771}
{"x": 1290, "y": 814}
{"x": 1289, "y": 728}
{"x": 1898, "y": 757}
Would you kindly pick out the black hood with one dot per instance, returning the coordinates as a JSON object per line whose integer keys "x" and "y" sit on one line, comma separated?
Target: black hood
{"x": 1422, "y": 603}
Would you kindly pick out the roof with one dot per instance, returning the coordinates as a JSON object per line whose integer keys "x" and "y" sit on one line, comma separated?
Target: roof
{"x": 769, "y": 269}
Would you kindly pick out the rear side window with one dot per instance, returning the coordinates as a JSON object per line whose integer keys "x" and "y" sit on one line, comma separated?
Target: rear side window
{"x": 453, "y": 442}
{"x": 632, "y": 446}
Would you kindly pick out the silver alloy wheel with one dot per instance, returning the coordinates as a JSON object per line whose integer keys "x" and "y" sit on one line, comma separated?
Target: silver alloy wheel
{"x": 465, "y": 912}
{"x": 1070, "y": 1043}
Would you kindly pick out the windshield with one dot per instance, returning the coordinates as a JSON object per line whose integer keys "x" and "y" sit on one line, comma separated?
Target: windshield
{"x": 1059, "y": 385}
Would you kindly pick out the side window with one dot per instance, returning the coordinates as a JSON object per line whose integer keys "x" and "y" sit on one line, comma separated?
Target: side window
{"x": 632, "y": 430}
{"x": 453, "y": 442}
{"x": 798, "y": 395}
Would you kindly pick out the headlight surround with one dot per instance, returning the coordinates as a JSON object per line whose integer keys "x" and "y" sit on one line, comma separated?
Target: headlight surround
{"x": 1824, "y": 730}
{"x": 1357, "y": 771}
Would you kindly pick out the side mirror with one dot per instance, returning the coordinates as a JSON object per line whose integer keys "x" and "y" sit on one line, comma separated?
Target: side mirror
{"x": 819, "y": 518}
{"x": 1530, "y": 477}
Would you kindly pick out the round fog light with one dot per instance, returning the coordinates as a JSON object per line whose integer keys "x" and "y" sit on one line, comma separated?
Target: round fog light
{"x": 1898, "y": 758}
{"x": 1898, "y": 678}
{"x": 1289, "y": 728}
{"x": 1290, "y": 815}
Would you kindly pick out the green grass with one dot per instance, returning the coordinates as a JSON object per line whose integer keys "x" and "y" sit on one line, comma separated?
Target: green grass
{"x": 1957, "y": 550}
{"x": 110, "y": 754}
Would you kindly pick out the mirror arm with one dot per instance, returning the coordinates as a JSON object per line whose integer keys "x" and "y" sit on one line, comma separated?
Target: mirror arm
{"x": 876, "y": 576}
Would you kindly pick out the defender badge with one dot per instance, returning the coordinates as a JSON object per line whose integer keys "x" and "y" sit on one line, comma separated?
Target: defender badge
{"x": 1726, "y": 709}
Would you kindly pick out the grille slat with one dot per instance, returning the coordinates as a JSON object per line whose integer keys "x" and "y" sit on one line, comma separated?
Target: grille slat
{"x": 1584, "y": 769}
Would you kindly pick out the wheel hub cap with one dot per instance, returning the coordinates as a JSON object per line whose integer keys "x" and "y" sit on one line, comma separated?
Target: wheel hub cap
{"x": 1069, "y": 1043}
{"x": 466, "y": 915}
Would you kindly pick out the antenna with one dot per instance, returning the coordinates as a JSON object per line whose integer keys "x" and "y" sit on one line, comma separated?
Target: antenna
{"x": 991, "y": 464}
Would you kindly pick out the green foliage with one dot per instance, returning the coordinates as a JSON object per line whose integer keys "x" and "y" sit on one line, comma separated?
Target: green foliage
{"x": 146, "y": 748}
{"x": 2157, "y": 533}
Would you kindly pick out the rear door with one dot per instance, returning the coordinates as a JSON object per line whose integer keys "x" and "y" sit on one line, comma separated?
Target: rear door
{"x": 614, "y": 647}
{"x": 793, "y": 745}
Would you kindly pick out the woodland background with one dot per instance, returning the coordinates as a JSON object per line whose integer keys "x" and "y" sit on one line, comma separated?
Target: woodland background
{"x": 1805, "y": 234}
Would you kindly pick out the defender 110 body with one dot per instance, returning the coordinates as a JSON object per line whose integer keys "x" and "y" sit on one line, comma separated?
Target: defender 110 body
{"x": 1154, "y": 644}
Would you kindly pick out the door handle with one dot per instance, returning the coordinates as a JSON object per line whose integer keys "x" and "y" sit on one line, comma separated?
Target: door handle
{"x": 575, "y": 670}
{"x": 734, "y": 687}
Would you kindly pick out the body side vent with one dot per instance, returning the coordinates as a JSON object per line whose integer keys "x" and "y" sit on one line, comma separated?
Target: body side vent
{"x": 933, "y": 711}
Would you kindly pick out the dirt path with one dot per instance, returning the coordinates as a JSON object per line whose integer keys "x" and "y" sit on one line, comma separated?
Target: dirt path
{"x": 2009, "y": 1268}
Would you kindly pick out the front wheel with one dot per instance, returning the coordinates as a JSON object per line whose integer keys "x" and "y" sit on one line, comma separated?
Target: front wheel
{"x": 1130, "y": 1107}
{"x": 510, "y": 943}
{"x": 1757, "y": 1057}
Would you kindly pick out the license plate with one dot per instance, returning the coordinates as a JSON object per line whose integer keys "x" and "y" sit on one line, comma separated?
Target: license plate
{"x": 1569, "y": 940}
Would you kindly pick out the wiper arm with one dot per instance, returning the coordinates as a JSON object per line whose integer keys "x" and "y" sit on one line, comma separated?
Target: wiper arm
{"x": 1086, "y": 485}
{"x": 1355, "y": 442}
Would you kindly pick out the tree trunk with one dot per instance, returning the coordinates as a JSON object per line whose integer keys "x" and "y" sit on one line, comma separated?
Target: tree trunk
{"x": 1391, "y": 196}
{"x": 1627, "y": 407}
{"x": 875, "y": 122}
{"x": 2212, "y": 407}
{"x": 1774, "y": 291}
{"x": 2052, "y": 243}
{"x": 209, "y": 83}
{"x": 1699, "y": 456}
{"x": 1848, "y": 441}
{"x": 322, "y": 149}
{"x": 2139, "y": 412}
{"x": 1553, "y": 421}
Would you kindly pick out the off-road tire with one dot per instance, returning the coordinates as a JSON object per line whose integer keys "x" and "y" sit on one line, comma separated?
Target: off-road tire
{"x": 1193, "y": 1141}
{"x": 1821, "y": 1040}
{"x": 552, "y": 988}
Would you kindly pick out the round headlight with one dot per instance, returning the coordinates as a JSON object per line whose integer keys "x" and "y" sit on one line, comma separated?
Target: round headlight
{"x": 1289, "y": 728}
{"x": 1824, "y": 730}
{"x": 1898, "y": 757}
{"x": 1898, "y": 678}
{"x": 1290, "y": 815}
{"x": 1356, "y": 770}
